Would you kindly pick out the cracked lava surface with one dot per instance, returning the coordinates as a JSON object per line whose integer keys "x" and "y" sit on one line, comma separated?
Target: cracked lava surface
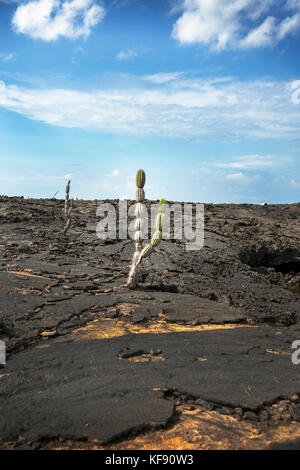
{"x": 198, "y": 356}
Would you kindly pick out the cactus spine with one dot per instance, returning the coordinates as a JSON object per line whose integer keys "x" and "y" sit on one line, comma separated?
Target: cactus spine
{"x": 141, "y": 252}
{"x": 68, "y": 208}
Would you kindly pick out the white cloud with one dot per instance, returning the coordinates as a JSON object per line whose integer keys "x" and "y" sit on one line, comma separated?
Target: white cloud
{"x": 188, "y": 107}
{"x": 257, "y": 170}
{"x": 50, "y": 19}
{"x": 7, "y": 56}
{"x": 261, "y": 36}
{"x": 235, "y": 176}
{"x": 249, "y": 162}
{"x": 114, "y": 173}
{"x": 288, "y": 25}
{"x": 160, "y": 78}
{"x": 134, "y": 52}
{"x": 126, "y": 55}
{"x": 236, "y": 23}
{"x": 294, "y": 184}
{"x": 295, "y": 85}
{"x": 241, "y": 178}
{"x": 247, "y": 167}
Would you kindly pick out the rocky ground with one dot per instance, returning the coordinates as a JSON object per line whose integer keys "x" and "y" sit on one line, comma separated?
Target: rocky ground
{"x": 197, "y": 356}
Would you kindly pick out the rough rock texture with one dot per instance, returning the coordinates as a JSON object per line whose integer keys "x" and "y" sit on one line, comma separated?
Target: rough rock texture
{"x": 212, "y": 328}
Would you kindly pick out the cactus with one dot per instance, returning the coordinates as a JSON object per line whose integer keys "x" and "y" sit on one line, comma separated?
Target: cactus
{"x": 160, "y": 221}
{"x": 140, "y": 195}
{"x": 141, "y": 252}
{"x": 146, "y": 251}
{"x": 156, "y": 239}
{"x": 68, "y": 208}
{"x": 162, "y": 205}
{"x": 140, "y": 179}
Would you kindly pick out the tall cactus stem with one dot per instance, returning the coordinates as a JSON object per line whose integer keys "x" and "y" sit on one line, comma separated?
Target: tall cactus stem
{"x": 140, "y": 197}
{"x": 140, "y": 179}
{"x": 68, "y": 208}
{"x": 141, "y": 252}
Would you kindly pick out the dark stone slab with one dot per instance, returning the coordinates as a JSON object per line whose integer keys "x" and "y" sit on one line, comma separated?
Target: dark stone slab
{"x": 78, "y": 304}
{"x": 14, "y": 306}
{"x": 241, "y": 367}
{"x": 78, "y": 389}
{"x": 286, "y": 445}
{"x": 183, "y": 308}
{"x": 42, "y": 267}
{"x": 9, "y": 281}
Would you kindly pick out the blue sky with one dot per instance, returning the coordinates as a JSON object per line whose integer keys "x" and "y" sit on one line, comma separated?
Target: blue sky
{"x": 204, "y": 95}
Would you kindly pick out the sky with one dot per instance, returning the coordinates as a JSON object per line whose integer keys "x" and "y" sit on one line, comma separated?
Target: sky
{"x": 204, "y": 95}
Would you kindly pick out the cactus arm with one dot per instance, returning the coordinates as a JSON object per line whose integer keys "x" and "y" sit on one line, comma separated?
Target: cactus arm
{"x": 157, "y": 236}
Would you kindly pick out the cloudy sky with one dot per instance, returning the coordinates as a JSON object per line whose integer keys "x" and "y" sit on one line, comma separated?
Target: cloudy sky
{"x": 202, "y": 94}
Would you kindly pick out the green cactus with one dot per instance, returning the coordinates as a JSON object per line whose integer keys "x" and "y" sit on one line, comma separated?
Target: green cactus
{"x": 157, "y": 236}
{"x": 156, "y": 239}
{"x": 146, "y": 251}
{"x": 141, "y": 252}
{"x": 140, "y": 179}
{"x": 160, "y": 221}
{"x": 140, "y": 195}
{"x": 162, "y": 205}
